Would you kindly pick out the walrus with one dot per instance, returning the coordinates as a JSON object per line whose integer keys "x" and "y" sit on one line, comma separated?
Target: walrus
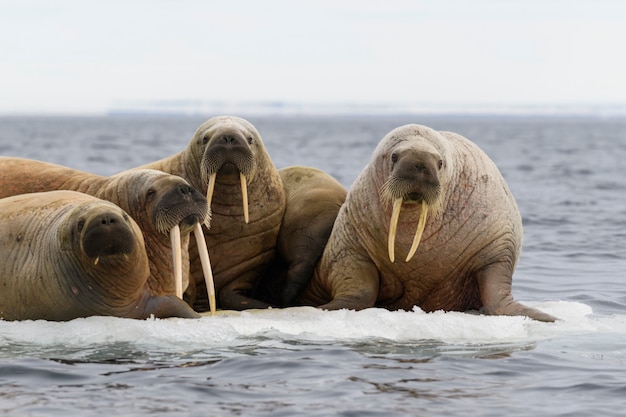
{"x": 227, "y": 160}
{"x": 313, "y": 199}
{"x": 160, "y": 204}
{"x": 459, "y": 232}
{"x": 66, "y": 254}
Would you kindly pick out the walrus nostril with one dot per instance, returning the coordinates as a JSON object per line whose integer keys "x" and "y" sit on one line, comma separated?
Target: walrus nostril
{"x": 108, "y": 220}
{"x": 191, "y": 191}
{"x": 232, "y": 139}
{"x": 421, "y": 168}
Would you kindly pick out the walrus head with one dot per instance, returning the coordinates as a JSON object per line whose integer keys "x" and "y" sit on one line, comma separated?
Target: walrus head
{"x": 413, "y": 170}
{"x": 158, "y": 201}
{"x": 229, "y": 147}
{"x": 174, "y": 207}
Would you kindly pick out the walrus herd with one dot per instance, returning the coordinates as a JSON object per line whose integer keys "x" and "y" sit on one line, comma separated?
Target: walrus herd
{"x": 428, "y": 223}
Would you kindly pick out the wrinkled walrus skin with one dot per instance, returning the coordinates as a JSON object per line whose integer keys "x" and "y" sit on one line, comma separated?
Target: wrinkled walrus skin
{"x": 155, "y": 200}
{"x": 229, "y": 150}
{"x": 65, "y": 255}
{"x": 471, "y": 240}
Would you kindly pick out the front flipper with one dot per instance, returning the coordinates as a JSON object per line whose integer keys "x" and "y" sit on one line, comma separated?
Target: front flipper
{"x": 236, "y": 295}
{"x": 353, "y": 285}
{"x": 494, "y": 283}
{"x": 167, "y": 306}
{"x": 298, "y": 277}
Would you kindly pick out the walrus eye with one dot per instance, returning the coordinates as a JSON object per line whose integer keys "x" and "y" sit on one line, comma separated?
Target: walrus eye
{"x": 80, "y": 225}
{"x": 440, "y": 164}
{"x": 205, "y": 140}
{"x": 250, "y": 140}
{"x": 150, "y": 194}
{"x": 394, "y": 157}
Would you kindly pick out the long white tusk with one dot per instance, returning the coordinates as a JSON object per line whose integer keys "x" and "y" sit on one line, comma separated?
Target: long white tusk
{"x": 210, "y": 187}
{"x": 206, "y": 266}
{"x": 418, "y": 233}
{"x": 178, "y": 261}
{"x": 244, "y": 196}
{"x": 393, "y": 226}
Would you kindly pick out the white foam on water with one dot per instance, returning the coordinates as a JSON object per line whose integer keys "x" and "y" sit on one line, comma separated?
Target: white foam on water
{"x": 307, "y": 324}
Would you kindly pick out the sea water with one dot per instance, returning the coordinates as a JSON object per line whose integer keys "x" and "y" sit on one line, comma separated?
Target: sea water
{"x": 567, "y": 176}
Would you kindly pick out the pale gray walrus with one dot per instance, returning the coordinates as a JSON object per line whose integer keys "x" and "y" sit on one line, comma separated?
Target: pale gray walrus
{"x": 449, "y": 190}
{"x": 226, "y": 159}
{"x": 313, "y": 201}
{"x": 156, "y": 201}
{"x": 65, "y": 254}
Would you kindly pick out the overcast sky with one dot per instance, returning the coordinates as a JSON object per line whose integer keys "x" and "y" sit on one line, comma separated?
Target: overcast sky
{"x": 66, "y": 56}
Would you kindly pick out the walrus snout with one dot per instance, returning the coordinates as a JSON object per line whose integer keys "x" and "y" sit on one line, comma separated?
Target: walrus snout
{"x": 189, "y": 197}
{"x": 422, "y": 169}
{"x": 226, "y": 151}
{"x": 107, "y": 234}
{"x": 180, "y": 205}
{"x": 185, "y": 215}
{"x": 414, "y": 178}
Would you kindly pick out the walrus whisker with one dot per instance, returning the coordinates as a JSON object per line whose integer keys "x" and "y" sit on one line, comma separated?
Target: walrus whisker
{"x": 393, "y": 226}
{"x": 178, "y": 261}
{"x": 206, "y": 266}
{"x": 420, "y": 230}
{"x": 244, "y": 196}
{"x": 210, "y": 187}
{"x": 388, "y": 191}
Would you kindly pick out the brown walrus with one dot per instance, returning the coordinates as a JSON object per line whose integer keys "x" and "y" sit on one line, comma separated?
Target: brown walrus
{"x": 65, "y": 254}
{"x": 226, "y": 158}
{"x": 156, "y": 201}
{"x": 313, "y": 201}
{"x": 450, "y": 193}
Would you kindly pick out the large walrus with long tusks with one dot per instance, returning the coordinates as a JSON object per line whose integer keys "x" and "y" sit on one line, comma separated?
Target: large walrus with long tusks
{"x": 65, "y": 254}
{"x": 226, "y": 159}
{"x": 313, "y": 201}
{"x": 161, "y": 204}
{"x": 429, "y": 222}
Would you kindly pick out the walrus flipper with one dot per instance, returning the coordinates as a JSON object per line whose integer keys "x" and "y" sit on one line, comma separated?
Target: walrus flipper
{"x": 168, "y": 306}
{"x": 238, "y": 294}
{"x": 495, "y": 293}
{"x": 353, "y": 291}
{"x": 298, "y": 277}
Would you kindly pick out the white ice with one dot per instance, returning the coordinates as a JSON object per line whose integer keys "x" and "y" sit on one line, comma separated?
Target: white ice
{"x": 307, "y": 324}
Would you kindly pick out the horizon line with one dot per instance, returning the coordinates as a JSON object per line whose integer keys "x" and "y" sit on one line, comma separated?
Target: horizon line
{"x": 191, "y": 108}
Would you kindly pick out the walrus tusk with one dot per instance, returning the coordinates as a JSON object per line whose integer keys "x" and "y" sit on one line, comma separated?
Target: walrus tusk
{"x": 206, "y": 266}
{"x": 418, "y": 233}
{"x": 97, "y": 260}
{"x": 178, "y": 261}
{"x": 244, "y": 196}
{"x": 210, "y": 187}
{"x": 393, "y": 226}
